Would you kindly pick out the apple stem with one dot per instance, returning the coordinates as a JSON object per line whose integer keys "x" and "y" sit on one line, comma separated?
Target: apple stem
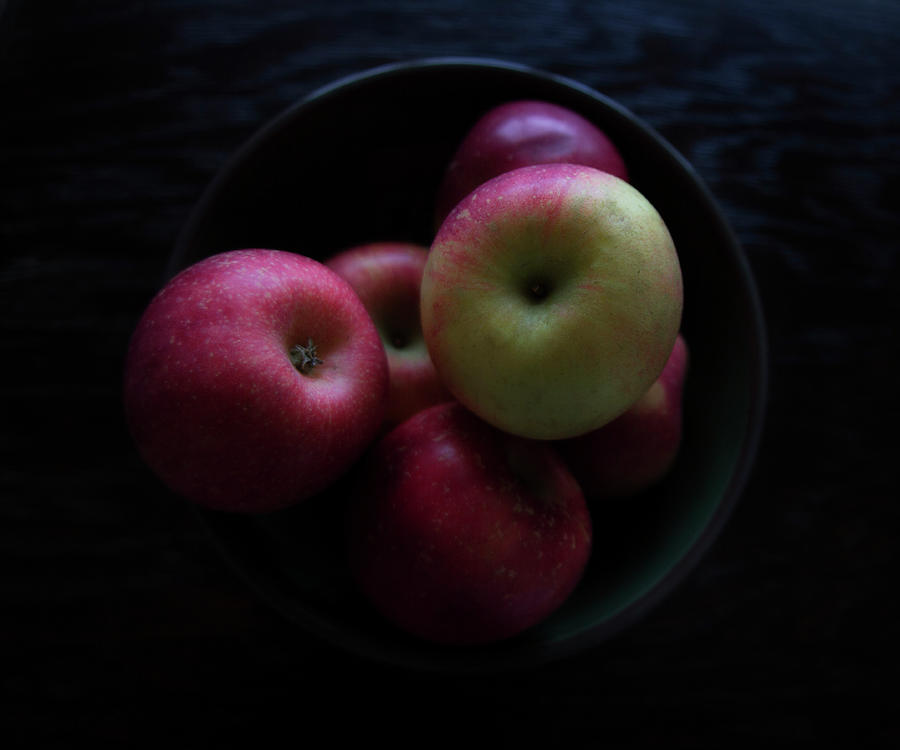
{"x": 304, "y": 357}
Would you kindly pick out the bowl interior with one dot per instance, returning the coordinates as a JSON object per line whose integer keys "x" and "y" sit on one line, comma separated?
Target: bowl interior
{"x": 360, "y": 161}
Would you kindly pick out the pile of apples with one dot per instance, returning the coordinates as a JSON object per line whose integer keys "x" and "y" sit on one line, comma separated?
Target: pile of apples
{"x": 479, "y": 395}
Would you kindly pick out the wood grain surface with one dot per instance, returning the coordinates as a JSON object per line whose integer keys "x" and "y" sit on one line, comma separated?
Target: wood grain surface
{"x": 118, "y": 621}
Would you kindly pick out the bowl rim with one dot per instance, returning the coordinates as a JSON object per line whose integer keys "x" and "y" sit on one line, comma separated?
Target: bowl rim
{"x": 629, "y": 614}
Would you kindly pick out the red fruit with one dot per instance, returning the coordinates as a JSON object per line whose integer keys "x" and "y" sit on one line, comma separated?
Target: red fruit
{"x": 461, "y": 533}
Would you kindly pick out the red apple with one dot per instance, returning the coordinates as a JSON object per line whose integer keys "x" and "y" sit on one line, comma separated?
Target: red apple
{"x": 551, "y": 299}
{"x": 518, "y": 134}
{"x": 460, "y": 533}
{"x": 253, "y": 380}
{"x": 636, "y": 450}
{"x": 387, "y": 277}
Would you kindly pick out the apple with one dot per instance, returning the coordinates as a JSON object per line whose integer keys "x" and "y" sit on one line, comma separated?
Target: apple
{"x": 551, "y": 299}
{"x": 459, "y": 533}
{"x": 519, "y": 134}
{"x": 387, "y": 277}
{"x": 253, "y": 380}
{"x": 637, "y": 449}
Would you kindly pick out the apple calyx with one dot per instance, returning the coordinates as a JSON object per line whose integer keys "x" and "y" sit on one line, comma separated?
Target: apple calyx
{"x": 304, "y": 358}
{"x": 538, "y": 290}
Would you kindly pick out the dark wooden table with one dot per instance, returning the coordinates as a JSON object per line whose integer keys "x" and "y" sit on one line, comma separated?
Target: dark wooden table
{"x": 119, "y": 622}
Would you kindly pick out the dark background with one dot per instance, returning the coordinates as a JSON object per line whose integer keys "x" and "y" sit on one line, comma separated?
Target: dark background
{"x": 119, "y": 622}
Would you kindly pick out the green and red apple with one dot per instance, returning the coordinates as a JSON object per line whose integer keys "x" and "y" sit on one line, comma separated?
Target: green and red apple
{"x": 551, "y": 299}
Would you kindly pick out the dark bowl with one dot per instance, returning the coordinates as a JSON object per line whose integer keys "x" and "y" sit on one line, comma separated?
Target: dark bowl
{"x": 360, "y": 160}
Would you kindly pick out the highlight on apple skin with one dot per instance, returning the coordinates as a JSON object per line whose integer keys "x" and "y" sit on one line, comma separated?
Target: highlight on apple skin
{"x": 637, "y": 449}
{"x": 387, "y": 276}
{"x": 551, "y": 299}
{"x": 519, "y": 134}
{"x": 253, "y": 380}
{"x": 459, "y": 533}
